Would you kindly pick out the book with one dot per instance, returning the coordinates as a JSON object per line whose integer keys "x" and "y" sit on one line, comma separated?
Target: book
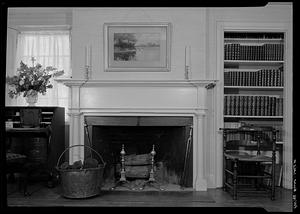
{"x": 259, "y": 78}
{"x": 228, "y": 105}
{"x": 225, "y": 105}
{"x": 234, "y": 78}
{"x": 241, "y": 105}
{"x": 278, "y": 77}
{"x": 257, "y": 98}
{"x": 263, "y": 77}
{"x": 263, "y": 52}
{"x": 273, "y": 106}
{"x": 262, "y": 105}
{"x": 225, "y": 51}
{"x": 236, "y": 104}
{"x": 281, "y": 52}
{"x": 249, "y": 106}
{"x": 280, "y": 106}
{"x": 226, "y": 78}
{"x": 242, "y": 52}
{"x": 272, "y": 77}
{"x": 254, "y": 108}
{"x": 266, "y": 106}
{"x": 281, "y": 76}
{"x": 277, "y": 107}
{"x": 232, "y": 105}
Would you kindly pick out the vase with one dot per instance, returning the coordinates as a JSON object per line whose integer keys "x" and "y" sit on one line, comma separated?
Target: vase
{"x": 31, "y": 99}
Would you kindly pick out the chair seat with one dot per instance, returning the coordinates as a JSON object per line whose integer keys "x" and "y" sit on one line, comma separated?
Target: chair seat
{"x": 244, "y": 156}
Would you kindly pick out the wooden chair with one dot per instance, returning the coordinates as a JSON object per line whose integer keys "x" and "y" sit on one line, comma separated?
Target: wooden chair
{"x": 16, "y": 163}
{"x": 247, "y": 166}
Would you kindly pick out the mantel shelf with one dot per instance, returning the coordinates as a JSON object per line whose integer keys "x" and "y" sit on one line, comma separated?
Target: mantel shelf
{"x": 135, "y": 83}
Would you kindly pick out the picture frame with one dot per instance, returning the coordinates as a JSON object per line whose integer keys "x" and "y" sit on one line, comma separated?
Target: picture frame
{"x": 137, "y": 47}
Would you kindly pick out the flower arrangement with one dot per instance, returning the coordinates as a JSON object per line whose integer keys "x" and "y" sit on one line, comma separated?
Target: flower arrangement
{"x": 31, "y": 80}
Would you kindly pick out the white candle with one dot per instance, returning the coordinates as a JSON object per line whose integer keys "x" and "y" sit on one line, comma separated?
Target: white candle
{"x": 187, "y": 61}
{"x": 87, "y": 56}
{"x": 185, "y": 57}
{"x": 189, "y": 58}
{"x": 90, "y": 56}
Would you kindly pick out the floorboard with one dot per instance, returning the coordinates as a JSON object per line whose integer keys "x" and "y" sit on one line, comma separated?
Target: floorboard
{"x": 43, "y": 196}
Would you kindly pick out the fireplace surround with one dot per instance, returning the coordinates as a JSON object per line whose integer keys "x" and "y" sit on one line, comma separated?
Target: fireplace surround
{"x": 177, "y": 98}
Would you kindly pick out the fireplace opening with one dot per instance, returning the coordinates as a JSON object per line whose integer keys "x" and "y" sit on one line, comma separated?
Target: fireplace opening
{"x": 172, "y": 161}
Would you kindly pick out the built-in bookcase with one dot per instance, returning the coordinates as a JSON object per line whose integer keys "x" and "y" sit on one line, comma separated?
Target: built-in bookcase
{"x": 254, "y": 80}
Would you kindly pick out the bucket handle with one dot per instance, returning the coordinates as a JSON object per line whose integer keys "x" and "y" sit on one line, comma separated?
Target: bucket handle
{"x": 76, "y": 146}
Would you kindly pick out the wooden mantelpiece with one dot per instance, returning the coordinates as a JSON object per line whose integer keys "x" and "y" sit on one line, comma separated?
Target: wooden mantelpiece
{"x": 150, "y": 98}
{"x": 145, "y": 83}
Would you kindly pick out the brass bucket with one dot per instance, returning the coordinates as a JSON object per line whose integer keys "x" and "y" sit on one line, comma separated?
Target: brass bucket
{"x": 81, "y": 183}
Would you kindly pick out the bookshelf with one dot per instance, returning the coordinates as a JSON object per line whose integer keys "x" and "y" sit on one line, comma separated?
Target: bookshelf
{"x": 254, "y": 80}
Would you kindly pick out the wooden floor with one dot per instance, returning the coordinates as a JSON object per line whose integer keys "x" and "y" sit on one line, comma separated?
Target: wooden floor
{"x": 43, "y": 196}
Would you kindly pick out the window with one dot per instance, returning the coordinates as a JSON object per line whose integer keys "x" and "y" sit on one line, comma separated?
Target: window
{"x": 49, "y": 48}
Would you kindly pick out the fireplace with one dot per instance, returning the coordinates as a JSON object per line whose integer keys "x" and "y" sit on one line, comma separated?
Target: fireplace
{"x": 137, "y": 99}
{"x": 171, "y": 137}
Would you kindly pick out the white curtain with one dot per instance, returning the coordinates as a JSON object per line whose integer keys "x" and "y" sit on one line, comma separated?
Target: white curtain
{"x": 11, "y": 48}
{"x": 49, "y": 48}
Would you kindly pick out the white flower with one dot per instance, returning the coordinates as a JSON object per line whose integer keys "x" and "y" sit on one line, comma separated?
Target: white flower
{"x": 21, "y": 82}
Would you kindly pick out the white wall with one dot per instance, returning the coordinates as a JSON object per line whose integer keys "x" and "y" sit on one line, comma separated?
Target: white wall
{"x": 188, "y": 28}
{"x": 39, "y": 16}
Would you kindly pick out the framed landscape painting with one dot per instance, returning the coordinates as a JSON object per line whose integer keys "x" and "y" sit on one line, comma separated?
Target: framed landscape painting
{"x": 137, "y": 47}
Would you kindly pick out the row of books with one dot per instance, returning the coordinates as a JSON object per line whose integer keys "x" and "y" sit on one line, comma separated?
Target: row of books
{"x": 265, "y": 52}
{"x": 253, "y": 105}
{"x": 253, "y": 35}
{"x": 264, "y": 77}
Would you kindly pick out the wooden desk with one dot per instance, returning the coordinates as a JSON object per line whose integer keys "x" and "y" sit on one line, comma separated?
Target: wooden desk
{"x": 52, "y": 118}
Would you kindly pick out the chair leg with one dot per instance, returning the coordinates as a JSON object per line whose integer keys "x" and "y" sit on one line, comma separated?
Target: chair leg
{"x": 235, "y": 180}
{"x": 26, "y": 193}
{"x": 257, "y": 172}
{"x": 224, "y": 175}
{"x": 23, "y": 184}
{"x": 273, "y": 182}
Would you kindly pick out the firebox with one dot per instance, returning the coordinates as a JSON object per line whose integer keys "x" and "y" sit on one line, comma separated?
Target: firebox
{"x": 171, "y": 137}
